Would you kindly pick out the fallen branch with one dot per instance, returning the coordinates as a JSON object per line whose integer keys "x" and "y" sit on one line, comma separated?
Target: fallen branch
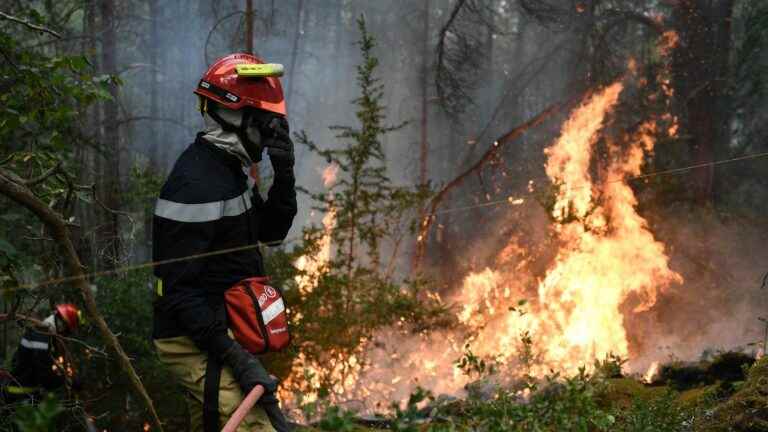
{"x": 11, "y": 187}
{"x": 507, "y": 138}
{"x": 28, "y": 24}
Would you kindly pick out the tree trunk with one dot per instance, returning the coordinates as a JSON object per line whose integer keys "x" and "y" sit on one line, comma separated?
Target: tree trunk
{"x": 110, "y": 176}
{"x": 295, "y": 51}
{"x": 700, "y": 67}
{"x": 423, "y": 124}
{"x": 249, "y": 26}
{"x": 154, "y": 108}
{"x": 424, "y": 121}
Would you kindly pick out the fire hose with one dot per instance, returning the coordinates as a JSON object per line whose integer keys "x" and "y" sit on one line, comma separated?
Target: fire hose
{"x": 245, "y": 406}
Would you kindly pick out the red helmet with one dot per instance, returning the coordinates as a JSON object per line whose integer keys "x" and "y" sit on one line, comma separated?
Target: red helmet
{"x": 232, "y": 84}
{"x": 70, "y": 314}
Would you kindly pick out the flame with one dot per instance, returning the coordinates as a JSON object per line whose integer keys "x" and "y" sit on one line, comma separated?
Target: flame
{"x": 608, "y": 266}
{"x": 311, "y": 266}
{"x": 669, "y": 41}
{"x": 329, "y": 175}
{"x": 651, "y": 373}
{"x": 607, "y": 257}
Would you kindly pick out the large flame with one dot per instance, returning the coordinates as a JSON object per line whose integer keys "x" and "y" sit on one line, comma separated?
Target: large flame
{"x": 311, "y": 266}
{"x": 607, "y": 256}
{"x": 608, "y": 266}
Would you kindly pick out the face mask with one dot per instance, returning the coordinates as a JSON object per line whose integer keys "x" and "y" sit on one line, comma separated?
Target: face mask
{"x": 239, "y": 123}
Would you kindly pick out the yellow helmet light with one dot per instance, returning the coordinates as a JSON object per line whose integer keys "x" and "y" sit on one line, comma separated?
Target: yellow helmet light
{"x": 254, "y": 70}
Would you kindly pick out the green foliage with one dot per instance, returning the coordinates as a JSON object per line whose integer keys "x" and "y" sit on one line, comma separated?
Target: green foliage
{"x": 568, "y": 404}
{"x": 126, "y": 302}
{"x": 471, "y": 364}
{"x": 144, "y": 186}
{"x": 611, "y": 366}
{"x": 662, "y": 414}
{"x": 746, "y": 410}
{"x": 337, "y": 420}
{"x": 43, "y": 101}
{"x": 407, "y": 420}
{"x": 38, "y": 418}
{"x": 43, "y": 98}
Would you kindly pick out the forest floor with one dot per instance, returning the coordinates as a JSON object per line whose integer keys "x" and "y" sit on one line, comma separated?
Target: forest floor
{"x": 726, "y": 393}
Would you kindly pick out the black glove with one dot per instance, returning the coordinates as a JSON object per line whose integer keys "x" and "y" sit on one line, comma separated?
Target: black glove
{"x": 276, "y": 417}
{"x": 248, "y": 370}
{"x": 280, "y": 147}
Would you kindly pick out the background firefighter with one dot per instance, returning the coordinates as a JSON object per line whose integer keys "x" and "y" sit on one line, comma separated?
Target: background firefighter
{"x": 38, "y": 366}
{"x": 210, "y": 203}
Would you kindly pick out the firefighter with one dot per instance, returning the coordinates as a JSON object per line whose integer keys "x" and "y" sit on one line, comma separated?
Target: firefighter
{"x": 209, "y": 204}
{"x": 37, "y": 366}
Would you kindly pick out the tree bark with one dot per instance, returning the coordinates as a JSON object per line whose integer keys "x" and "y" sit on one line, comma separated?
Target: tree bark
{"x": 154, "y": 101}
{"x": 295, "y": 52}
{"x": 423, "y": 123}
{"x": 110, "y": 238}
{"x": 424, "y": 119}
{"x": 700, "y": 67}
{"x": 13, "y": 188}
{"x": 249, "y": 26}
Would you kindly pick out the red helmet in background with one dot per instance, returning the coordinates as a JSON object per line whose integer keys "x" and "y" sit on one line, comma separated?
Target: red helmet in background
{"x": 69, "y": 314}
{"x": 235, "y": 82}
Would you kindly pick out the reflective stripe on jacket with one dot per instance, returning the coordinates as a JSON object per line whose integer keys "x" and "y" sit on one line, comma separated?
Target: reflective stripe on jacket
{"x": 33, "y": 363}
{"x": 208, "y": 203}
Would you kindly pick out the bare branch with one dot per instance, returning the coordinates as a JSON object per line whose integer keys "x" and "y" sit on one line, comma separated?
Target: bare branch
{"x": 28, "y": 24}
{"x": 493, "y": 149}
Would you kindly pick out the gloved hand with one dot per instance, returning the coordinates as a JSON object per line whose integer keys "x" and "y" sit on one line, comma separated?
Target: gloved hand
{"x": 280, "y": 147}
{"x": 248, "y": 370}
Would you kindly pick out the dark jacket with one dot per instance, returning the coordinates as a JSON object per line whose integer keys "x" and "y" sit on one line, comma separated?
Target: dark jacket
{"x": 33, "y": 362}
{"x": 209, "y": 204}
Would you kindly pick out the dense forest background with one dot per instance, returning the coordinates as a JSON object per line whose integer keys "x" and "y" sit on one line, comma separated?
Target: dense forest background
{"x": 96, "y": 103}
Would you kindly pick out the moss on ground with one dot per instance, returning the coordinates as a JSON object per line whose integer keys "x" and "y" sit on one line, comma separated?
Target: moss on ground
{"x": 746, "y": 410}
{"x": 724, "y": 398}
{"x": 622, "y": 392}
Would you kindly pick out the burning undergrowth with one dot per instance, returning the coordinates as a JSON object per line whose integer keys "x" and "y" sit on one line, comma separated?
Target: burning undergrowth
{"x": 608, "y": 264}
{"x": 588, "y": 278}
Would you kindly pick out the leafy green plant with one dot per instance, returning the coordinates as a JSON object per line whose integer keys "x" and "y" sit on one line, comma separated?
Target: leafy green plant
{"x": 472, "y": 365}
{"x": 611, "y": 366}
{"x": 657, "y": 415}
{"x": 407, "y": 420}
{"x": 38, "y": 418}
{"x": 337, "y": 420}
{"x": 563, "y": 404}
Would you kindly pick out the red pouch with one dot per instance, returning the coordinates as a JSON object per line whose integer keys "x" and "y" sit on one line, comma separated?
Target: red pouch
{"x": 257, "y": 315}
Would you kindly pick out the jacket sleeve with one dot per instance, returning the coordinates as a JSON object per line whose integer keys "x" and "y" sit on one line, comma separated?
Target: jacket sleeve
{"x": 184, "y": 299}
{"x": 278, "y": 211}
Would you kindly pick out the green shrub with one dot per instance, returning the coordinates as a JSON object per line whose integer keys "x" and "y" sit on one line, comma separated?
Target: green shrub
{"x": 40, "y": 417}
